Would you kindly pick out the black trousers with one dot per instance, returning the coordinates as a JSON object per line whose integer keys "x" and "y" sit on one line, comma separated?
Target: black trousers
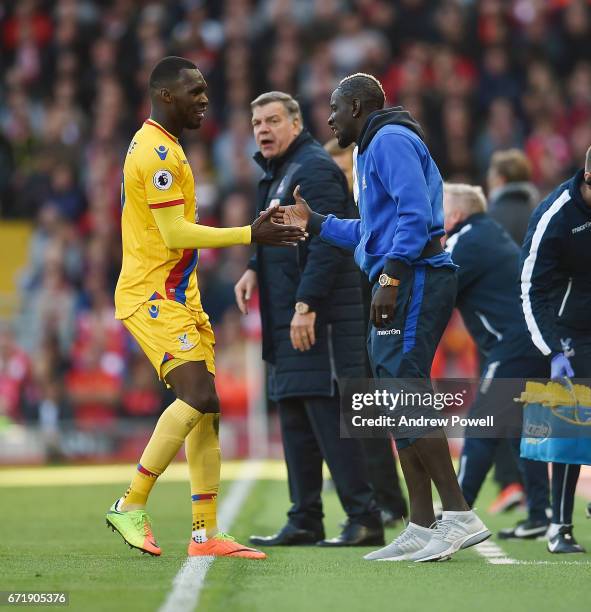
{"x": 503, "y": 374}
{"x": 310, "y": 427}
{"x": 383, "y": 475}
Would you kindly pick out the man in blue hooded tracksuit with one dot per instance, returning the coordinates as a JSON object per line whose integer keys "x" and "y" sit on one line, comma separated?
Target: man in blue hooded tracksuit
{"x": 397, "y": 244}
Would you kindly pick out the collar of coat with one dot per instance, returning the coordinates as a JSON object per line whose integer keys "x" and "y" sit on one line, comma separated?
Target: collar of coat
{"x": 270, "y": 166}
{"x": 458, "y": 226}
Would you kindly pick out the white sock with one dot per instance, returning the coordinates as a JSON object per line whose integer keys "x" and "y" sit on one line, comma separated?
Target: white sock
{"x": 199, "y": 535}
{"x": 423, "y": 530}
{"x": 553, "y": 530}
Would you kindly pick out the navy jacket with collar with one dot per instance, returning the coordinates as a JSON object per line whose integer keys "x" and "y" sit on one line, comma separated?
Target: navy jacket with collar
{"x": 314, "y": 272}
{"x": 488, "y": 294}
{"x": 556, "y": 270}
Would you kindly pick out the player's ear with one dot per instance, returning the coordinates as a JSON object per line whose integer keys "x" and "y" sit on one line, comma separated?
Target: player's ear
{"x": 165, "y": 95}
{"x": 356, "y": 107}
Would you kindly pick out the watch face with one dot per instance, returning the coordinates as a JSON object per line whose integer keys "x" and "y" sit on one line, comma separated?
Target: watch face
{"x": 383, "y": 280}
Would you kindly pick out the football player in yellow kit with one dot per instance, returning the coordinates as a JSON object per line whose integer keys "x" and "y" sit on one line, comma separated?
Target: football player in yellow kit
{"x": 157, "y": 299}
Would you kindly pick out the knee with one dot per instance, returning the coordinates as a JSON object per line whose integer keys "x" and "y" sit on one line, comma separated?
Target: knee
{"x": 203, "y": 400}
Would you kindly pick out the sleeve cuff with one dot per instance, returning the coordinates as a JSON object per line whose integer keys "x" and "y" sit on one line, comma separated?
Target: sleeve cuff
{"x": 396, "y": 268}
{"x": 247, "y": 234}
{"x": 315, "y": 223}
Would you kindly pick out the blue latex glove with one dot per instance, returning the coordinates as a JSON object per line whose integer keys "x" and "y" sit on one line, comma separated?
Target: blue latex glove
{"x": 560, "y": 367}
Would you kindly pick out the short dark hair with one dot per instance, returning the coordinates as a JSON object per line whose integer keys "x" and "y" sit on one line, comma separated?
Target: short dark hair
{"x": 512, "y": 164}
{"x": 167, "y": 70}
{"x": 365, "y": 87}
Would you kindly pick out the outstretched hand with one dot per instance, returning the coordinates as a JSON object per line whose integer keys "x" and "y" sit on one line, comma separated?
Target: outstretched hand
{"x": 267, "y": 230}
{"x": 297, "y": 214}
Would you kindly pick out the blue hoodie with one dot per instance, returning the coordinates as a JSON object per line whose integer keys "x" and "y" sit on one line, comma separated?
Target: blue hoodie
{"x": 400, "y": 199}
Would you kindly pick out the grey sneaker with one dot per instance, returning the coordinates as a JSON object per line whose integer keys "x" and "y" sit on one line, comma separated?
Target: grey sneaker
{"x": 452, "y": 534}
{"x": 410, "y": 541}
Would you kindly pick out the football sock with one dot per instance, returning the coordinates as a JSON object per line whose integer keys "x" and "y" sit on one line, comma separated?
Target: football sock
{"x": 202, "y": 447}
{"x": 553, "y": 530}
{"x": 172, "y": 428}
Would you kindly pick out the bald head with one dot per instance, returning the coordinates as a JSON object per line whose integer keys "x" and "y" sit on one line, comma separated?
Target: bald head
{"x": 364, "y": 87}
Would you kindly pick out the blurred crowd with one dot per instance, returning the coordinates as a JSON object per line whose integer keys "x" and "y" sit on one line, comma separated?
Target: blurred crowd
{"x": 481, "y": 76}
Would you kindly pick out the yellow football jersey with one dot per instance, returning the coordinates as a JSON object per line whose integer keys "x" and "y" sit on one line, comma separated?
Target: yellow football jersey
{"x": 156, "y": 174}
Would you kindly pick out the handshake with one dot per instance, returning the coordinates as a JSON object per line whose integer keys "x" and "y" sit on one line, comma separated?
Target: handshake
{"x": 292, "y": 219}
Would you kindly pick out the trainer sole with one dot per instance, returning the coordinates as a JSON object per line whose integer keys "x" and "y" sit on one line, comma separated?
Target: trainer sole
{"x": 142, "y": 550}
{"x": 407, "y": 558}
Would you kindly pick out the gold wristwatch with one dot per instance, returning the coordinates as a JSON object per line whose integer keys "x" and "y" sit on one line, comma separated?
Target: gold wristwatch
{"x": 387, "y": 281}
{"x": 302, "y": 308}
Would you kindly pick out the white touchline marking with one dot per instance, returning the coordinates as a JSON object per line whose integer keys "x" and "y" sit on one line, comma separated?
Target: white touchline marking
{"x": 187, "y": 584}
{"x": 494, "y": 554}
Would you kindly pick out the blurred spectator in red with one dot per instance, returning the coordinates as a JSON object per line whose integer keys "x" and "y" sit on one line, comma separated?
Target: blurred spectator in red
{"x": 93, "y": 389}
{"x": 15, "y": 374}
{"x": 141, "y": 393}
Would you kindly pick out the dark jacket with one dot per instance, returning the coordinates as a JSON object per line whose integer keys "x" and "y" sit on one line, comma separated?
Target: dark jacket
{"x": 323, "y": 276}
{"x": 556, "y": 270}
{"x": 488, "y": 293}
{"x": 511, "y": 206}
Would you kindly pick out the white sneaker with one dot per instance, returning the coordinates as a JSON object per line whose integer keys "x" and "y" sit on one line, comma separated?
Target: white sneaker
{"x": 410, "y": 541}
{"x": 456, "y": 530}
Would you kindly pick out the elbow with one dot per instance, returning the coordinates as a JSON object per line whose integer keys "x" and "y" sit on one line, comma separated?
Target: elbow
{"x": 169, "y": 241}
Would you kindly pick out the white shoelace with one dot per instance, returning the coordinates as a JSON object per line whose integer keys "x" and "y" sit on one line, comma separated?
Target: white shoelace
{"x": 408, "y": 540}
{"x": 445, "y": 527}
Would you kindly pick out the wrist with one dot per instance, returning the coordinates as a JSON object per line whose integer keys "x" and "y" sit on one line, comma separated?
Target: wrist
{"x": 385, "y": 280}
{"x": 315, "y": 223}
{"x": 302, "y": 308}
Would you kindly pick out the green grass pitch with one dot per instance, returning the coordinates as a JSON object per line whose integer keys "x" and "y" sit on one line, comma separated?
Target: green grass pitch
{"x": 55, "y": 538}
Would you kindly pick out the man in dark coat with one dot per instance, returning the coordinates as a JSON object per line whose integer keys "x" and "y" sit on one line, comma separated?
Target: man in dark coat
{"x": 313, "y": 332}
{"x": 512, "y": 197}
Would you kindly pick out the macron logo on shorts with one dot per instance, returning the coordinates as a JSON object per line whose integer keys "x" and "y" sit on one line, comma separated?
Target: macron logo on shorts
{"x": 388, "y": 332}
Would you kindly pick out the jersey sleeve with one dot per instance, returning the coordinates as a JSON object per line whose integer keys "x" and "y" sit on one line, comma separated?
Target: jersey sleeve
{"x": 161, "y": 179}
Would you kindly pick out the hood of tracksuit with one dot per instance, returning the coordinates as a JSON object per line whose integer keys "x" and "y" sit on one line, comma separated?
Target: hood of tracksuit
{"x": 396, "y": 115}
